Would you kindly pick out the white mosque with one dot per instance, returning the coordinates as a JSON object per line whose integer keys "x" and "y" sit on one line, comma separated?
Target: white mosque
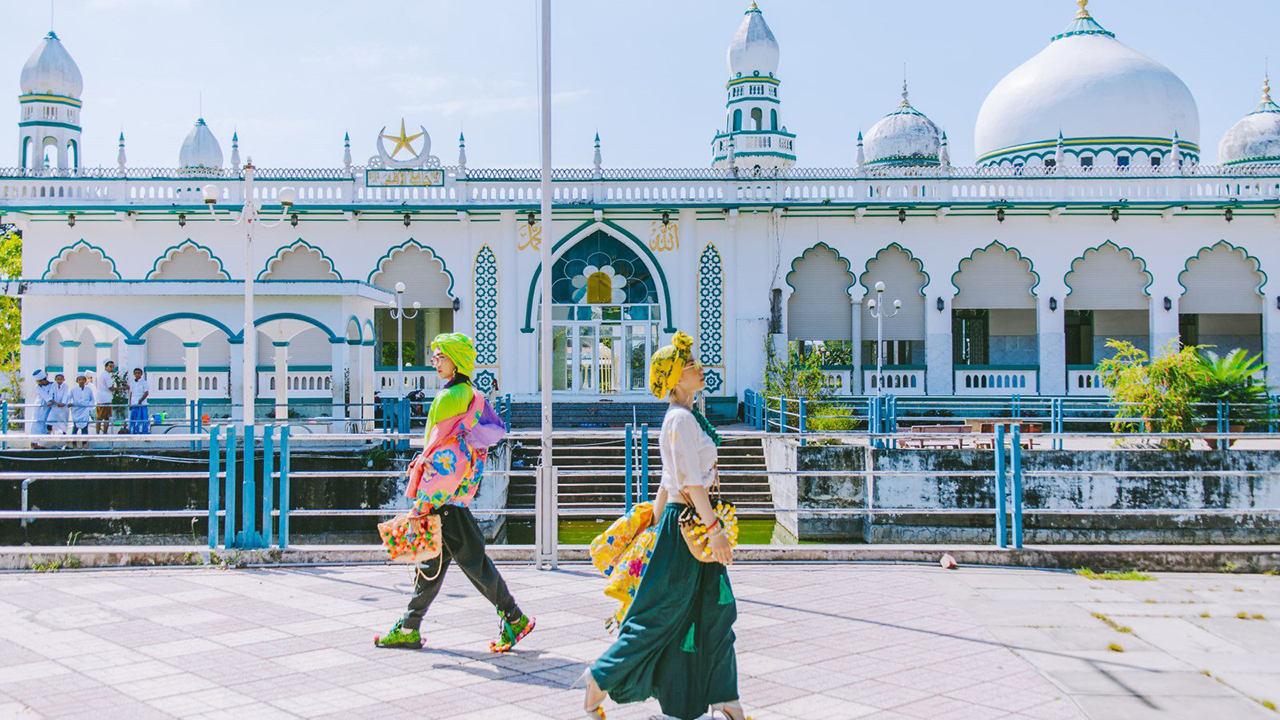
{"x": 1088, "y": 217}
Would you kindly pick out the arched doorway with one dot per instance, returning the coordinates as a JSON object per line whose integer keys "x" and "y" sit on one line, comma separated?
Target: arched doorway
{"x": 605, "y": 318}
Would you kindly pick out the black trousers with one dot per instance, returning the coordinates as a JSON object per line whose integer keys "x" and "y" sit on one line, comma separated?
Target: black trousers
{"x": 463, "y": 543}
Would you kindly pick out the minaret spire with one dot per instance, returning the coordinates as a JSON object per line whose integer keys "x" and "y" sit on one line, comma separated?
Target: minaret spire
{"x": 462, "y": 153}
{"x": 346, "y": 151}
{"x": 235, "y": 148}
{"x": 120, "y": 156}
{"x": 596, "y": 158}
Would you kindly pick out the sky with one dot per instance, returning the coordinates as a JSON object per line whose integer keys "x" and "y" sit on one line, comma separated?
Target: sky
{"x": 293, "y": 75}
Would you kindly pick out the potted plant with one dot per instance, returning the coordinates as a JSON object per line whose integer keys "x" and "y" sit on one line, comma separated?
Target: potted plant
{"x": 1231, "y": 379}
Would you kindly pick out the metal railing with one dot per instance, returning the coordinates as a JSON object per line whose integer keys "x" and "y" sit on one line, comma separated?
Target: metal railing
{"x": 250, "y": 481}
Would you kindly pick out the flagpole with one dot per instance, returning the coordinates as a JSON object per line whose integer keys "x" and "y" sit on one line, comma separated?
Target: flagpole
{"x": 546, "y": 540}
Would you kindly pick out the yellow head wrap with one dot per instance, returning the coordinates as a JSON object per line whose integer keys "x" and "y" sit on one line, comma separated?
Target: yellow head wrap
{"x": 667, "y": 365}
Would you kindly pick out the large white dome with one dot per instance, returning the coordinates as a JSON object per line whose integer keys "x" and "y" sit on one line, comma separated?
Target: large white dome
{"x": 754, "y": 49}
{"x": 1256, "y": 138}
{"x": 51, "y": 71}
{"x": 200, "y": 150}
{"x": 1106, "y": 99}
{"x": 903, "y": 137}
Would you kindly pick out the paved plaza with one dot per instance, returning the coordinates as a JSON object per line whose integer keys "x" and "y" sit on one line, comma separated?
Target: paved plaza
{"x": 822, "y": 641}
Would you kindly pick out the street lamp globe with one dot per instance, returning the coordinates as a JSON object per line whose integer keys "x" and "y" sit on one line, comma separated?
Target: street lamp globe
{"x": 399, "y": 287}
{"x": 210, "y": 194}
{"x": 871, "y": 304}
{"x": 897, "y": 304}
{"x": 287, "y": 196}
{"x": 879, "y": 287}
{"x": 417, "y": 305}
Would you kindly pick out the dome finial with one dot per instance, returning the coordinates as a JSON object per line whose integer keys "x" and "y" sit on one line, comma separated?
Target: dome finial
{"x": 1084, "y": 10}
{"x": 905, "y": 101}
{"x": 1266, "y": 88}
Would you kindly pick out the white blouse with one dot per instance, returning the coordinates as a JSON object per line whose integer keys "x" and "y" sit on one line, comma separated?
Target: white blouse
{"x": 688, "y": 454}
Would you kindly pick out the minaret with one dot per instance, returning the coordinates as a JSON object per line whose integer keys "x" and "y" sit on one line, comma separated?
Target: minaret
{"x": 753, "y": 110}
{"x": 462, "y": 154}
{"x": 861, "y": 158}
{"x": 120, "y": 157}
{"x": 1175, "y": 153}
{"x": 597, "y": 160}
{"x": 346, "y": 151}
{"x": 944, "y": 153}
{"x": 49, "y": 118}
{"x": 1060, "y": 152}
{"x": 235, "y": 150}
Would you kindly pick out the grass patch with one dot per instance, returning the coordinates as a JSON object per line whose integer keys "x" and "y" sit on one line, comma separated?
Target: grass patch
{"x": 1112, "y": 623}
{"x": 1115, "y": 647}
{"x": 1204, "y": 615}
{"x": 1113, "y": 575}
{"x": 1258, "y": 616}
{"x": 1269, "y": 705}
{"x": 1273, "y": 572}
{"x": 1246, "y": 616}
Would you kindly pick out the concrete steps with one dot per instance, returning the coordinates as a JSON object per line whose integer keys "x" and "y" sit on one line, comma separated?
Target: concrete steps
{"x": 593, "y": 472}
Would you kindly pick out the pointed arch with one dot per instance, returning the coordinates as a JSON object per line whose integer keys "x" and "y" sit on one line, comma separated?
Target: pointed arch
{"x": 618, "y": 233}
{"x": 296, "y": 246}
{"x": 1243, "y": 253}
{"x": 866, "y": 269}
{"x": 848, "y": 266}
{"x": 1107, "y": 287}
{"x": 997, "y": 246}
{"x": 186, "y": 245}
{"x": 378, "y": 267}
{"x": 67, "y": 252}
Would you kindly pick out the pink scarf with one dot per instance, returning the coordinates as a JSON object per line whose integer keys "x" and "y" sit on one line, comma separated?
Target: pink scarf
{"x": 449, "y": 463}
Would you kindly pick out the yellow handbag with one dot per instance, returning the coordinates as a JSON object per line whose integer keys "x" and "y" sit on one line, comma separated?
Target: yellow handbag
{"x": 695, "y": 533}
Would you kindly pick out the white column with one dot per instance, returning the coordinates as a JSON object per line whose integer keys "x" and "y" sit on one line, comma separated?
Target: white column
{"x": 369, "y": 382}
{"x": 191, "y": 372}
{"x": 940, "y": 365}
{"x": 1271, "y": 340}
{"x": 235, "y": 362}
{"x": 282, "y": 379}
{"x": 135, "y": 356}
{"x": 70, "y": 360}
{"x": 1164, "y": 323}
{"x": 855, "y": 354}
{"x": 102, "y": 353}
{"x": 355, "y": 372}
{"x": 1052, "y": 342}
{"x": 338, "y": 367}
{"x": 30, "y": 359}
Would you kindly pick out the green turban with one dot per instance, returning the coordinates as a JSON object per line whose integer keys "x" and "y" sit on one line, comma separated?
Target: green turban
{"x": 457, "y": 347}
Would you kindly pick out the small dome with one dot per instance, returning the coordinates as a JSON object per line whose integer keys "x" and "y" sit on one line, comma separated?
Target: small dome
{"x": 51, "y": 71}
{"x": 1099, "y": 92}
{"x": 1256, "y": 138}
{"x": 200, "y": 151}
{"x": 754, "y": 49}
{"x": 903, "y": 137}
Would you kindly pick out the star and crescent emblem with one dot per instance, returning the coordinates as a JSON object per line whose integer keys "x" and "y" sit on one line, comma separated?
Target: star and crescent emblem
{"x": 403, "y": 141}
{"x": 407, "y": 150}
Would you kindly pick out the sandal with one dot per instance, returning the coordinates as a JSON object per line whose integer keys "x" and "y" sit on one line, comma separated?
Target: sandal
{"x": 510, "y": 633}
{"x": 596, "y": 711}
{"x": 734, "y": 706}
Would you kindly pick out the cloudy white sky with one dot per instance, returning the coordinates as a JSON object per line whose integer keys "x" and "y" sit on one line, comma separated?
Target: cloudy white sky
{"x": 293, "y": 75}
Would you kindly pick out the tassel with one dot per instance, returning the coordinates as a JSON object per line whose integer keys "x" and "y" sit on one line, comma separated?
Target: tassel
{"x": 726, "y": 595}
{"x": 689, "y": 645}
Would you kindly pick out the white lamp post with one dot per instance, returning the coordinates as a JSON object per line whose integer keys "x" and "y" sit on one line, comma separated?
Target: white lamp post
{"x": 876, "y": 306}
{"x": 250, "y": 218}
{"x": 399, "y": 313}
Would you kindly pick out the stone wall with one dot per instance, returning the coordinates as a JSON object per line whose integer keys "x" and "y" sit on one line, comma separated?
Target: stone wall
{"x": 1072, "y": 481}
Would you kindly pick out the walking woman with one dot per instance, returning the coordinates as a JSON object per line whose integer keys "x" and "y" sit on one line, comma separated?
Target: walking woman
{"x": 676, "y": 641}
{"x": 461, "y": 426}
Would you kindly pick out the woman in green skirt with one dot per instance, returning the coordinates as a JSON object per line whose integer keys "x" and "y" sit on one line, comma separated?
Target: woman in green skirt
{"x": 676, "y": 641}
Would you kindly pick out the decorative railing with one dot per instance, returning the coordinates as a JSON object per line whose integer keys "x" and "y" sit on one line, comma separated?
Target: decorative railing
{"x": 1085, "y": 382}
{"x": 345, "y": 188}
{"x": 415, "y": 379}
{"x": 172, "y": 384}
{"x": 994, "y": 380}
{"x": 299, "y": 383}
{"x": 897, "y": 381}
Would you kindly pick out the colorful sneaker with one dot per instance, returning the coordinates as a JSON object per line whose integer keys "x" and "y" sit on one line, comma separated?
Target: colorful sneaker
{"x": 510, "y": 633}
{"x": 399, "y": 638}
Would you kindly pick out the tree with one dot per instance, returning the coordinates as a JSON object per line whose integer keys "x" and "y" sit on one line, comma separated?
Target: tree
{"x": 10, "y": 313}
{"x": 1155, "y": 395}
